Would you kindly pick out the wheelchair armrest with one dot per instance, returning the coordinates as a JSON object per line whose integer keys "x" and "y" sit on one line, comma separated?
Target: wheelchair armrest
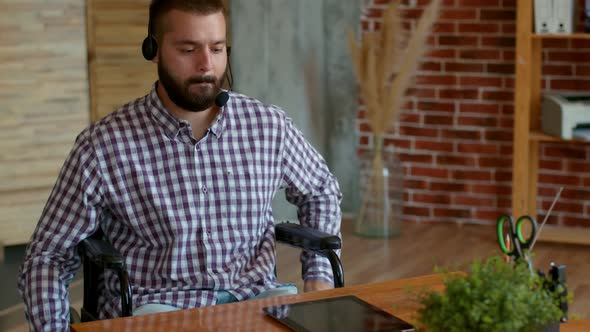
{"x": 306, "y": 238}
{"x": 101, "y": 253}
{"x": 314, "y": 240}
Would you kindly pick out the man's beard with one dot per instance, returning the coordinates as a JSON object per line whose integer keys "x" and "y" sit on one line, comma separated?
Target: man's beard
{"x": 179, "y": 92}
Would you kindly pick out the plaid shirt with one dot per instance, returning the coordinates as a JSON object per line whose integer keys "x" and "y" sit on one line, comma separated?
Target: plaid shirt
{"x": 189, "y": 216}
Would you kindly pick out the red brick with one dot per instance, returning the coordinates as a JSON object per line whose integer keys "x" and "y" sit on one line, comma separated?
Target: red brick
{"x": 479, "y": 148}
{"x": 582, "y": 70}
{"x": 506, "y": 149}
{"x": 560, "y": 179}
{"x": 429, "y": 172}
{"x": 576, "y": 222}
{"x": 487, "y": 81}
{"x": 415, "y": 184}
{"x": 479, "y": 3}
{"x": 497, "y": 15}
{"x": 453, "y": 213}
{"x": 554, "y": 165}
{"x": 561, "y": 151}
{"x": 503, "y": 176}
{"x": 444, "y": 27}
{"x": 461, "y": 67}
{"x": 505, "y": 41}
{"x": 455, "y": 160}
{"x": 433, "y": 146}
{"x": 491, "y": 189}
{"x": 508, "y": 28}
{"x": 416, "y": 211}
{"x": 479, "y": 54}
{"x": 575, "y": 194}
{"x": 447, "y": 40}
{"x": 555, "y": 43}
{"x": 479, "y": 108}
{"x": 558, "y": 70}
{"x": 570, "y": 84}
{"x": 476, "y": 121}
{"x": 579, "y": 167}
{"x": 436, "y": 106}
{"x": 461, "y": 134}
{"x": 471, "y": 175}
{"x": 507, "y": 123}
{"x": 568, "y": 56}
{"x": 501, "y": 135}
{"x": 438, "y": 120}
{"x": 446, "y": 93}
{"x": 436, "y": 79}
{"x": 364, "y": 140}
{"x": 415, "y": 158}
{"x": 483, "y": 28}
{"x": 493, "y": 162}
{"x": 579, "y": 44}
{"x": 501, "y": 68}
{"x": 498, "y": 95}
{"x": 508, "y": 55}
{"x": 505, "y": 202}
{"x": 509, "y": 3}
{"x": 410, "y": 118}
{"x": 471, "y": 200}
{"x": 561, "y": 206}
{"x": 398, "y": 143}
{"x": 422, "y": 92}
{"x": 430, "y": 66}
{"x": 442, "y": 53}
{"x": 490, "y": 215}
{"x": 458, "y": 14}
{"x": 431, "y": 198}
{"x": 418, "y": 131}
{"x": 448, "y": 187}
{"x": 508, "y": 109}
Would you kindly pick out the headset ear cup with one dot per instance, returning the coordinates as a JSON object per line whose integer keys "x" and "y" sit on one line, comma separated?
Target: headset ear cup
{"x": 149, "y": 48}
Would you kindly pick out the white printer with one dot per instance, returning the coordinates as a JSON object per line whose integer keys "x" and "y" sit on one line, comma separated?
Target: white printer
{"x": 566, "y": 115}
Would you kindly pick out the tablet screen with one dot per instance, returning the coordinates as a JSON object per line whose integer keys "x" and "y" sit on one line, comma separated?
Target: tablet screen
{"x": 347, "y": 313}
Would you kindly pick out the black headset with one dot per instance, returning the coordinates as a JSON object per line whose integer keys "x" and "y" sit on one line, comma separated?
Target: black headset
{"x": 149, "y": 49}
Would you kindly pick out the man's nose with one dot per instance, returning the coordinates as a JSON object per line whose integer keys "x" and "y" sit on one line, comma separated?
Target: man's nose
{"x": 204, "y": 61}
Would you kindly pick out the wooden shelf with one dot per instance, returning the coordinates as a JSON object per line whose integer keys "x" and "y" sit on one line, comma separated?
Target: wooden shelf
{"x": 542, "y": 137}
{"x": 569, "y": 235}
{"x": 562, "y": 36}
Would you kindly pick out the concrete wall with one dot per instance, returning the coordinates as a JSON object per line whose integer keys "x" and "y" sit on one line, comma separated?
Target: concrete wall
{"x": 294, "y": 54}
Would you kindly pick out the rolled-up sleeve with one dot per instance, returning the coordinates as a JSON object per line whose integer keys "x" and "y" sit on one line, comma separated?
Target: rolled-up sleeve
{"x": 315, "y": 191}
{"x": 70, "y": 215}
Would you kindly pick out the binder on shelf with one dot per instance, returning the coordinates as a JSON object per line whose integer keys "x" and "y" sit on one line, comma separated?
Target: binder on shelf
{"x": 544, "y": 20}
{"x": 563, "y": 15}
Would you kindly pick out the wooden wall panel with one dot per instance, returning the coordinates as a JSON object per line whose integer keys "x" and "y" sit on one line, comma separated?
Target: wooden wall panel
{"x": 118, "y": 72}
{"x": 43, "y": 104}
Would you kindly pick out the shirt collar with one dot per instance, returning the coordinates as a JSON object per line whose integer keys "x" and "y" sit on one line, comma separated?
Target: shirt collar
{"x": 171, "y": 124}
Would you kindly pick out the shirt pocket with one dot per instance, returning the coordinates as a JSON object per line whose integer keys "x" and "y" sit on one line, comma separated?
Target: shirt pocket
{"x": 242, "y": 201}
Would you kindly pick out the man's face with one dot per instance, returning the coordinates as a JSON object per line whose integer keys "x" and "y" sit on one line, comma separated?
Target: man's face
{"x": 192, "y": 58}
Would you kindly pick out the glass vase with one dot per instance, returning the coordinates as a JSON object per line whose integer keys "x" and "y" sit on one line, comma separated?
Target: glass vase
{"x": 381, "y": 185}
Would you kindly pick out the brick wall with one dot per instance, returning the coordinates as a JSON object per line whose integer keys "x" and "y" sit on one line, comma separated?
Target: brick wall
{"x": 455, "y": 134}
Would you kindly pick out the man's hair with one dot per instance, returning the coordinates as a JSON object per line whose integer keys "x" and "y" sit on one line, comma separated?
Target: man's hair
{"x": 158, "y": 8}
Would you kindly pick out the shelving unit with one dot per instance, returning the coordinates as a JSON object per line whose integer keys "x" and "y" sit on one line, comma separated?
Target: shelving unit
{"x": 527, "y": 133}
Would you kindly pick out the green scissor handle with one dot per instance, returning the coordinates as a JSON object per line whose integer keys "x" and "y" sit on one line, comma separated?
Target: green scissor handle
{"x": 519, "y": 243}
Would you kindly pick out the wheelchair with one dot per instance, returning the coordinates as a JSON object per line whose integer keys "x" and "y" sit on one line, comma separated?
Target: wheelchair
{"x": 98, "y": 255}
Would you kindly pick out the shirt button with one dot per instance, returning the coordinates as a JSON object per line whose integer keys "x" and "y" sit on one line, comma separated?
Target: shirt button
{"x": 204, "y": 189}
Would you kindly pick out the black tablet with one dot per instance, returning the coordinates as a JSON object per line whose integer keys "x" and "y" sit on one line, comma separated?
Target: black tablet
{"x": 342, "y": 314}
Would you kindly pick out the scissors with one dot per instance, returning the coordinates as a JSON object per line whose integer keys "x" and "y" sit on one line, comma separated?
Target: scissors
{"x": 520, "y": 245}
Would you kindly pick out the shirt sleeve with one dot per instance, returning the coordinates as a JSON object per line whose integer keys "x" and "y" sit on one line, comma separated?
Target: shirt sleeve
{"x": 315, "y": 191}
{"x": 70, "y": 215}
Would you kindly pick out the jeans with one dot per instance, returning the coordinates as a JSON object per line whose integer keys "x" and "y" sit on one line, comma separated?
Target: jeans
{"x": 222, "y": 297}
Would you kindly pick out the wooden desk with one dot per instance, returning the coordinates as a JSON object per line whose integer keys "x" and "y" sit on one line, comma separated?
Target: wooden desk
{"x": 392, "y": 296}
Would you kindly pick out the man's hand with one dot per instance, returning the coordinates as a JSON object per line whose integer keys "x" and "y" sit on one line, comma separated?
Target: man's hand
{"x": 316, "y": 285}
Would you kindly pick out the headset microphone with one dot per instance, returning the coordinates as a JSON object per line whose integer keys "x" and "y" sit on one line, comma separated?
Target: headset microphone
{"x": 221, "y": 99}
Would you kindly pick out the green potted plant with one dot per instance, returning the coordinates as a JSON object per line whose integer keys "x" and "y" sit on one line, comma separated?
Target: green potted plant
{"x": 493, "y": 296}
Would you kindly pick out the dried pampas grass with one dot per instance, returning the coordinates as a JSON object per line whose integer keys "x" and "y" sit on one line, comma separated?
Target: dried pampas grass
{"x": 385, "y": 63}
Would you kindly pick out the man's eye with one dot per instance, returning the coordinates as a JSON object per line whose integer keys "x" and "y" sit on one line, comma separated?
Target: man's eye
{"x": 218, "y": 50}
{"x": 187, "y": 50}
